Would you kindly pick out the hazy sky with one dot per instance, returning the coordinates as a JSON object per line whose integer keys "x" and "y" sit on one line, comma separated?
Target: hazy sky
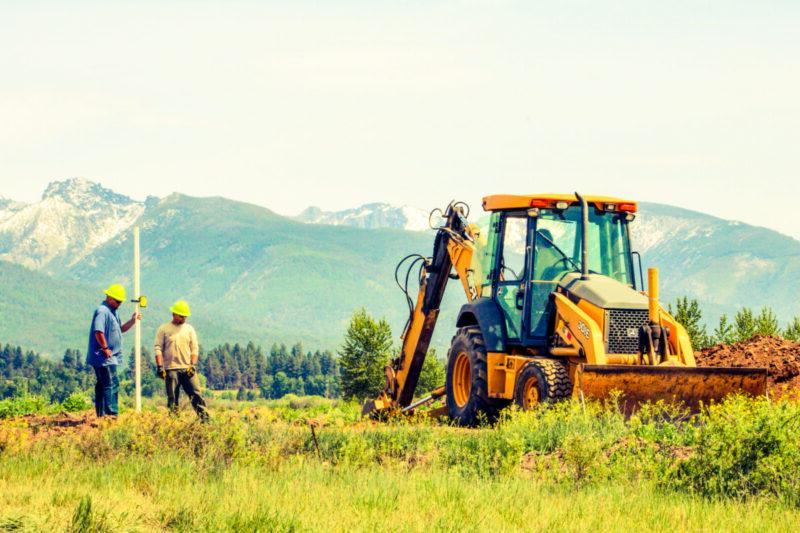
{"x": 297, "y": 103}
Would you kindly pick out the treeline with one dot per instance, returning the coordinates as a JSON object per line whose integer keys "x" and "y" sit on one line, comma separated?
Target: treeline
{"x": 280, "y": 372}
{"x": 27, "y": 373}
{"x": 245, "y": 369}
{"x": 742, "y": 326}
{"x": 23, "y": 372}
{"x": 245, "y": 372}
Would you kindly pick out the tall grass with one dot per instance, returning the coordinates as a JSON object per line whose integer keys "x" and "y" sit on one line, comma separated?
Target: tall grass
{"x": 257, "y": 468}
{"x": 133, "y": 494}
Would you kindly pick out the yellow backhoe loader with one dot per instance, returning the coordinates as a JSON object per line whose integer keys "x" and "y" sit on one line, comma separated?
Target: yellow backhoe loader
{"x": 554, "y": 311}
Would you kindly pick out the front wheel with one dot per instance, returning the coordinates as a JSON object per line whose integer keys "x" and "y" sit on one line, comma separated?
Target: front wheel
{"x": 466, "y": 386}
{"x": 542, "y": 381}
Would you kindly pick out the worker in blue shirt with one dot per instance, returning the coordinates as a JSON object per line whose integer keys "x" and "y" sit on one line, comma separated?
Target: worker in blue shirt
{"x": 105, "y": 350}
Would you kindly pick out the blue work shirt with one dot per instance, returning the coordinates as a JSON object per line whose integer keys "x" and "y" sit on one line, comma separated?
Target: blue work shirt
{"x": 106, "y": 321}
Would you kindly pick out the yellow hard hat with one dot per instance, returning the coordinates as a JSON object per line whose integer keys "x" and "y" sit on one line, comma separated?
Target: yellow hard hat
{"x": 117, "y": 292}
{"x": 181, "y": 308}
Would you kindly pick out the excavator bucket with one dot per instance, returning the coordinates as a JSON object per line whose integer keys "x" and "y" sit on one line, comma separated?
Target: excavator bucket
{"x": 689, "y": 386}
{"x": 368, "y": 408}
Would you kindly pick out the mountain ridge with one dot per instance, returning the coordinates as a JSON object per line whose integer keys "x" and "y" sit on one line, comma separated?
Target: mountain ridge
{"x": 72, "y": 219}
{"x": 253, "y": 274}
{"x": 374, "y": 215}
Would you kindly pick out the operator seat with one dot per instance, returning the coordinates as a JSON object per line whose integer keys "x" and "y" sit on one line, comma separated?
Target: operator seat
{"x": 550, "y": 265}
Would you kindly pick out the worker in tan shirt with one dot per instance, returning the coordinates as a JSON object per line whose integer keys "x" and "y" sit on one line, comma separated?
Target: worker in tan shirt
{"x": 176, "y": 352}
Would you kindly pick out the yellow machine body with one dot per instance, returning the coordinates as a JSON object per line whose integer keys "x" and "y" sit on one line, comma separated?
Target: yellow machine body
{"x": 598, "y": 375}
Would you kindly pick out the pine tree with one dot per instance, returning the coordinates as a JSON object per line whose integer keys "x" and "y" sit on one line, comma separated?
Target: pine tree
{"x": 767, "y": 323}
{"x": 688, "y": 314}
{"x": 266, "y": 387}
{"x": 281, "y": 385}
{"x": 69, "y": 359}
{"x": 295, "y": 369}
{"x": 792, "y": 331}
{"x": 724, "y": 332}
{"x": 299, "y": 387}
{"x": 367, "y": 348}
{"x": 327, "y": 364}
{"x": 744, "y": 325}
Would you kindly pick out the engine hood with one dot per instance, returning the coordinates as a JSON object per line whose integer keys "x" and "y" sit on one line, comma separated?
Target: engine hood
{"x": 602, "y": 291}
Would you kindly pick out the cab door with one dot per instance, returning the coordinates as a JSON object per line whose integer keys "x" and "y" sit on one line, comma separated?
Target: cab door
{"x": 511, "y": 270}
{"x": 555, "y": 241}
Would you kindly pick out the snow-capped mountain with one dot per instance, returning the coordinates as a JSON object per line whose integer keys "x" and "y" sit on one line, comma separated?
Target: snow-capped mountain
{"x": 8, "y": 208}
{"x": 656, "y": 225}
{"x": 74, "y": 217}
{"x": 370, "y": 216}
{"x": 219, "y": 253}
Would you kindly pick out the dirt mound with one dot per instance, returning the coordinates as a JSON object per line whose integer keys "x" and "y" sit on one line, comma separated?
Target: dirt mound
{"x": 62, "y": 423}
{"x": 779, "y": 356}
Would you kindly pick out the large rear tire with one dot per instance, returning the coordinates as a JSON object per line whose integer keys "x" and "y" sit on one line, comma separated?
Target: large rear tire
{"x": 542, "y": 381}
{"x": 466, "y": 386}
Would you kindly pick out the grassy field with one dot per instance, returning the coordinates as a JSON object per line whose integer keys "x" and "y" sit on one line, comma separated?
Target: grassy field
{"x": 256, "y": 467}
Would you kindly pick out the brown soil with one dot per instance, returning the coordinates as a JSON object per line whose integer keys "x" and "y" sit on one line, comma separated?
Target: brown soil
{"x": 62, "y": 423}
{"x": 779, "y": 356}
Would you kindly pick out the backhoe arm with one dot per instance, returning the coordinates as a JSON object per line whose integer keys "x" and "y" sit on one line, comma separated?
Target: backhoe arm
{"x": 452, "y": 250}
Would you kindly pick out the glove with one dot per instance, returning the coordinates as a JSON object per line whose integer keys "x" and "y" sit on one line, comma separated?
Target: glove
{"x": 160, "y": 372}
{"x": 190, "y": 372}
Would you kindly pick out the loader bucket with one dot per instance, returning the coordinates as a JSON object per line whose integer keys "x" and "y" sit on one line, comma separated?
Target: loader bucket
{"x": 690, "y": 386}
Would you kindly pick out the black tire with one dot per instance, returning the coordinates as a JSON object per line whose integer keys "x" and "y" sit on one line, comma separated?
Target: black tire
{"x": 547, "y": 379}
{"x": 469, "y": 341}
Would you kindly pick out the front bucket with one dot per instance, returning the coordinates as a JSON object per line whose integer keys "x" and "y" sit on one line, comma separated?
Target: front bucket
{"x": 690, "y": 386}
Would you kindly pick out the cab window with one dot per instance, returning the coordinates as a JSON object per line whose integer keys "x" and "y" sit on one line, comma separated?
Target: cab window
{"x": 512, "y": 258}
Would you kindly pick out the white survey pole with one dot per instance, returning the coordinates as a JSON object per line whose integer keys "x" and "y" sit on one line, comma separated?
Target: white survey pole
{"x": 137, "y": 331}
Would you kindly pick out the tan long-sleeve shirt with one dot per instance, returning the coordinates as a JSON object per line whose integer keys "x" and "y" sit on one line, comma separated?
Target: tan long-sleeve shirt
{"x": 176, "y": 345}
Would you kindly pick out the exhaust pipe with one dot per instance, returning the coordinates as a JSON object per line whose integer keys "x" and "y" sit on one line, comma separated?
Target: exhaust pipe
{"x": 652, "y": 295}
{"x": 584, "y": 237}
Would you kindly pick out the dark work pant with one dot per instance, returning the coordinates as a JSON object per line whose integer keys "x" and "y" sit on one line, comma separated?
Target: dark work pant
{"x": 106, "y": 391}
{"x": 191, "y": 386}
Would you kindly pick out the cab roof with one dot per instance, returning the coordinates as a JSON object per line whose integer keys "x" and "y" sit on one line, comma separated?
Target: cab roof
{"x": 499, "y": 202}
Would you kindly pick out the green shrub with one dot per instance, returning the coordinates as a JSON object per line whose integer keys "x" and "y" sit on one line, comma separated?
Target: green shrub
{"x": 744, "y": 324}
{"x": 767, "y": 323}
{"x": 76, "y": 402}
{"x": 745, "y": 448}
{"x": 792, "y": 331}
{"x": 23, "y": 405}
{"x": 687, "y": 312}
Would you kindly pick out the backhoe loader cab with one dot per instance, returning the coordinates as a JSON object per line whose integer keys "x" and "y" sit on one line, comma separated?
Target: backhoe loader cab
{"x": 554, "y": 311}
{"x": 530, "y": 247}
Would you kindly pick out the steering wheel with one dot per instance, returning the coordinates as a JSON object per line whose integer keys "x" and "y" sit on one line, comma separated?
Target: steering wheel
{"x": 557, "y": 249}
{"x": 555, "y": 271}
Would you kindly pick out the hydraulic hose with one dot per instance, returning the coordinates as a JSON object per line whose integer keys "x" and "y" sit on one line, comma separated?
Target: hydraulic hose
{"x": 416, "y": 258}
